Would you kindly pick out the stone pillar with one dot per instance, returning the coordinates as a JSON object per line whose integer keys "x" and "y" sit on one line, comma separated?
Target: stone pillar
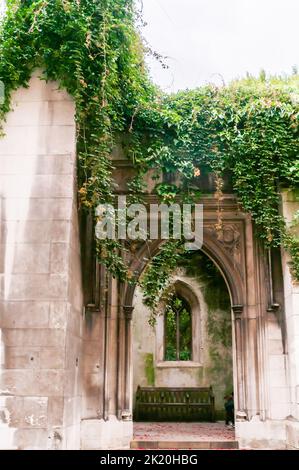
{"x": 127, "y": 412}
{"x": 290, "y": 206}
{"x": 40, "y": 293}
{"x": 239, "y": 399}
{"x": 110, "y": 427}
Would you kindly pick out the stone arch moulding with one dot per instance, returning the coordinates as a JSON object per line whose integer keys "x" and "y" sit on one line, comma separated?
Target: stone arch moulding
{"x": 231, "y": 272}
{"x": 222, "y": 251}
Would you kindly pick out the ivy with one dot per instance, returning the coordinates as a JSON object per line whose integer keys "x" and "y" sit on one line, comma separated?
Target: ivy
{"x": 93, "y": 49}
{"x": 156, "y": 277}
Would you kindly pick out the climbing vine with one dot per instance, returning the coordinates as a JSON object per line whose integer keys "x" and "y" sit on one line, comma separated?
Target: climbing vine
{"x": 93, "y": 49}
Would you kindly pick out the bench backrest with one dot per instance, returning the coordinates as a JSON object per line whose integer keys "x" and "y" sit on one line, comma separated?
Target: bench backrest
{"x": 174, "y": 404}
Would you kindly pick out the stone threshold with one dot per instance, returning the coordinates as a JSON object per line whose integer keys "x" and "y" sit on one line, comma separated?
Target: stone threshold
{"x": 200, "y": 445}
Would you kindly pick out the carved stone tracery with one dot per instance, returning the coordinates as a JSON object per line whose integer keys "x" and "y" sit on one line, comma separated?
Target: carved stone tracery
{"x": 229, "y": 239}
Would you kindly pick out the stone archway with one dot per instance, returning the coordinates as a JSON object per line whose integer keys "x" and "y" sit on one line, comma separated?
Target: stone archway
{"x": 225, "y": 250}
{"x": 196, "y": 353}
{"x": 243, "y": 264}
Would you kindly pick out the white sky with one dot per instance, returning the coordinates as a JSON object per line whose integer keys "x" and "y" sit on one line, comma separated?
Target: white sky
{"x": 205, "y": 38}
{"x": 215, "y": 40}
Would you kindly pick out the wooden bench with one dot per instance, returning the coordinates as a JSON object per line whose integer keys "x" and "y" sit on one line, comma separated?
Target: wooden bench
{"x": 174, "y": 404}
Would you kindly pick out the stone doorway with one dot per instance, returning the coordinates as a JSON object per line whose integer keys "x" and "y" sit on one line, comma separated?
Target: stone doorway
{"x": 243, "y": 265}
{"x": 204, "y": 360}
{"x": 199, "y": 282}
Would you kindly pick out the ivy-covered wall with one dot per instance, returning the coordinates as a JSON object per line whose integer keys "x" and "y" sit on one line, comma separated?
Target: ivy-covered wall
{"x": 95, "y": 51}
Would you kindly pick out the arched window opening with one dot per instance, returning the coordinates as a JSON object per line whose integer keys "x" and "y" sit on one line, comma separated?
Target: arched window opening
{"x": 178, "y": 330}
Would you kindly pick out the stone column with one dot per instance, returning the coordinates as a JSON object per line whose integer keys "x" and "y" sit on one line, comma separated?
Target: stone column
{"x": 127, "y": 412}
{"x": 240, "y": 399}
{"x": 112, "y": 429}
{"x": 290, "y": 206}
{"x": 40, "y": 273}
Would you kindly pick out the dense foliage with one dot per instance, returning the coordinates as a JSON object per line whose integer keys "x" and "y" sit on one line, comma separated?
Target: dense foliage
{"x": 93, "y": 49}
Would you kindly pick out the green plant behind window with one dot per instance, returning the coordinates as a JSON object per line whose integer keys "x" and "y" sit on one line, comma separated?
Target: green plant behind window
{"x": 178, "y": 330}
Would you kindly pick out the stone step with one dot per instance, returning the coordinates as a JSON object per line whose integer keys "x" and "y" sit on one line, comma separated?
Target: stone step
{"x": 203, "y": 445}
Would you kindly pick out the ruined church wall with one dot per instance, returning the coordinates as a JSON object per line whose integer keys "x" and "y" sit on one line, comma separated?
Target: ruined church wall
{"x": 40, "y": 295}
{"x": 290, "y": 207}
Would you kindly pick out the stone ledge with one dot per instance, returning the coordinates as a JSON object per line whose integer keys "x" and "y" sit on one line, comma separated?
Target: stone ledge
{"x": 185, "y": 445}
{"x": 292, "y": 434}
{"x": 97, "y": 434}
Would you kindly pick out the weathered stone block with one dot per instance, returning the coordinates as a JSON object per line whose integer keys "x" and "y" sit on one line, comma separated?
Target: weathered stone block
{"x": 93, "y": 327}
{"x": 59, "y": 314}
{"x": 256, "y": 434}
{"x": 292, "y": 430}
{"x": 73, "y": 350}
{"x": 72, "y": 381}
{"x": 93, "y": 383}
{"x": 55, "y": 411}
{"x": 278, "y": 378}
{"x": 22, "y": 357}
{"x": 7, "y": 438}
{"x": 24, "y": 314}
{"x": 34, "y": 286}
{"x": 41, "y": 113}
{"x": 36, "y": 209}
{"x": 41, "y": 231}
{"x": 92, "y": 363}
{"x": 75, "y": 324}
{"x": 52, "y": 358}
{"x": 277, "y": 361}
{"x": 92, "y": 406}
{"x": 30, "y": 439}
{"x": 41, "y": 186}
{"x": 280, "y": 411}
{"x": 113, "y": 434}
{"x": 72, "y": 410}
{"x": 92, "y": 348}
{"x": 275, "y": 346}
{"x": 37, "y": 164}
{"x": 40, "y": 140}
{"x": 274, "y": 330}
{"x": 56, "y": 439}
{"x": 75, "y": 233}
{"x": 72, "y": 437}
{"x": 32, "y": 383}
{"x": 25, "y": 258}
{"x": 279, "y": 395}
{"x": 59, "y": 257}
{"x": 39, "y": 90}
{"x": 75, "y": 294}
{"x": 29, "y": 412}
{"x": 34, "y": 337}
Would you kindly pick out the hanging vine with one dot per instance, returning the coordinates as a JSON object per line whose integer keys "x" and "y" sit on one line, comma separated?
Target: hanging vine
{"x": 93, "y": 49}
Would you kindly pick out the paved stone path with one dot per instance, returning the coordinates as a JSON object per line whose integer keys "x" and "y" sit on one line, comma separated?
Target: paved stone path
{"x": 183, "y": 432}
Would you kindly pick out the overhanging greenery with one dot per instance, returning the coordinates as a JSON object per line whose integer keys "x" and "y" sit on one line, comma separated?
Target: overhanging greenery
{"x": 93, "y": 49}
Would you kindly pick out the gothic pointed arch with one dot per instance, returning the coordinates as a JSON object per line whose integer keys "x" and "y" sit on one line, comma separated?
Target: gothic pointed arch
{"x": 224, "y": 249}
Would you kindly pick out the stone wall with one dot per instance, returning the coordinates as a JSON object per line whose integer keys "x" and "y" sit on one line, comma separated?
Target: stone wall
{"x": 65, "y": 378}
{"x": 290, "y": 206}
{"x": 103, "y": 426}
{"x": 40, "y": 294}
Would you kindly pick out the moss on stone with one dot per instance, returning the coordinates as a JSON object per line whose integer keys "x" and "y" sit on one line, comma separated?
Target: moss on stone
{"x": 219, "y": 372}
{"x": 149, "y": 369}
